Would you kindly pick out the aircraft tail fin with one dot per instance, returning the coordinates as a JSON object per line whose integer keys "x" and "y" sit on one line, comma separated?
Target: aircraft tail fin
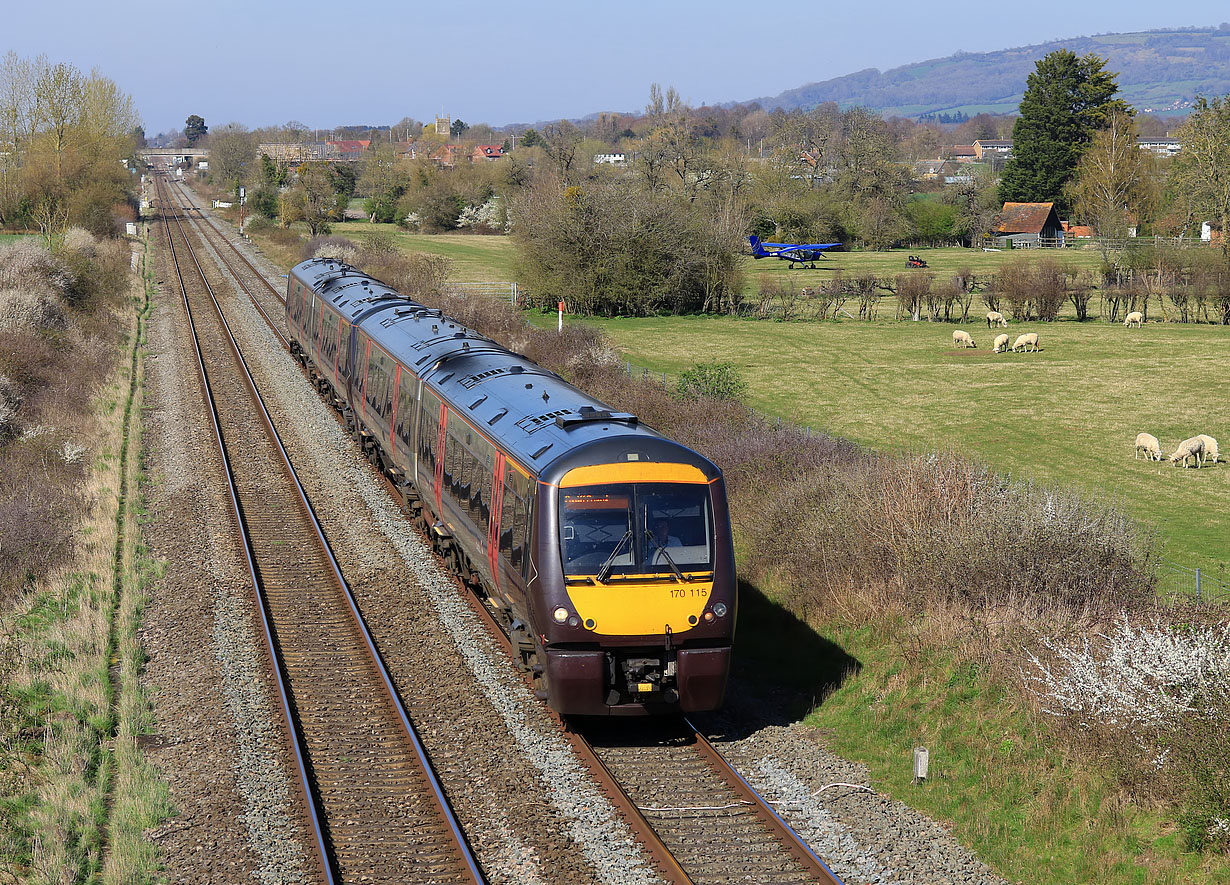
{"x": 758, "y": 251}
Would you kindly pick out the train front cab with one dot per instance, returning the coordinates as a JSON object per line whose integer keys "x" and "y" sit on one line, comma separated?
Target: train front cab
{"x": 643, "y": 615}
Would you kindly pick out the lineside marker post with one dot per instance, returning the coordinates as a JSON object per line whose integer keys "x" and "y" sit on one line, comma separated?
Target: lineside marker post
{"x": 921, "y": 757}
{"x": 561, "y": 318}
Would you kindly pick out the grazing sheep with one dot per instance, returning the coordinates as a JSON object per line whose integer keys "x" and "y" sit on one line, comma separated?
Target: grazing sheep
{"x": 1025, "y": 341}
{"x": 1210, "y": 447}
{"x": 995, "y": 318}
{"x": 1147, "y": 443}
{"x": 962, "y": 339}
{"x": 1190, "y": 448}
{"x": 1001, "y": 343}
{"x": 1134, "y": 317}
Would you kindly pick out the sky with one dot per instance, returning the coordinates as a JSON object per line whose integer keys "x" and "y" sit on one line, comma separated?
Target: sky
{"x": 265, "y": 62}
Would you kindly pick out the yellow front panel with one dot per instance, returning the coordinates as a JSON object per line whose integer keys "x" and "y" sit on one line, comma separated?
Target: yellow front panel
{"x": 629, "y": 608}
{"x": 632, "y": 471}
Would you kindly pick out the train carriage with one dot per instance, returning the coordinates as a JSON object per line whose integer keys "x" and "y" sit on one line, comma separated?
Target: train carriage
{"x": 603, "y": 547}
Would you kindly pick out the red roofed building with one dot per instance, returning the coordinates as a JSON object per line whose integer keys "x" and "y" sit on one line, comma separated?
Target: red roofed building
{"x": 962, "y": 153}
{"x": 487, "y": 152}
{"x": 350, "y": 150}
{"x": 1029, "y": 224}
{"x": 446, "y": 155}
{"x": 1077, "y": 231}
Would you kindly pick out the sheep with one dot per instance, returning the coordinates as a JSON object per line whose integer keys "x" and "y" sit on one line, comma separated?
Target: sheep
{"x": 1210, "y": 447}
{"x": 1024, "y": 341}
{"x": 1148, "y": 443}
{"x": 962, "y": 339}
{"x": 995, "y": 318}
{"x": 1001, "y": 343}
{"x": 1190, "y": 448}
{"x": 1134, "y": 317}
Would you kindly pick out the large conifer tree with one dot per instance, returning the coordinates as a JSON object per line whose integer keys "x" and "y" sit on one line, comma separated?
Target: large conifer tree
{"x": 1067, "y": 99}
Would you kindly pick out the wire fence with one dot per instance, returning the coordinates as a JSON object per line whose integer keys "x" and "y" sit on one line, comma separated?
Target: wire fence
{"x": 1177, "y": 582}
{"x": 489, "y": 289}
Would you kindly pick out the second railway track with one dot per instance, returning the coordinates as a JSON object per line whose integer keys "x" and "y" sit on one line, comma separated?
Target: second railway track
{"x": 383, "y": 816}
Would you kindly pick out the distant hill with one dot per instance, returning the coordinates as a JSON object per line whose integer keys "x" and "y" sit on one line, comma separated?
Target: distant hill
{"x": 1159, "y": 72}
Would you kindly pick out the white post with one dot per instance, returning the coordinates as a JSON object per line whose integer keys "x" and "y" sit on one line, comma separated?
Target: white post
{"x": 921, "y": 757}
{"x": 561, "y": 318}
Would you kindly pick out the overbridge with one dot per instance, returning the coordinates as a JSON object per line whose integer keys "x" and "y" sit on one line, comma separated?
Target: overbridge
{"x": 173, "y": 156}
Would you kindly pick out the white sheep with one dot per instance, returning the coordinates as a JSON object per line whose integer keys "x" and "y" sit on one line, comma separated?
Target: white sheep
{"x": 1001, "y": 343}
{"x": 1147, "y": 443}
{"x": 1134, "y": 317}
{"x": 1025, "y": 341}
{"x": 1210, "y": 447}
{"x": 962, "y": 339}
{"x": 995, "y": 318}
{"x": 1190, "y": 448}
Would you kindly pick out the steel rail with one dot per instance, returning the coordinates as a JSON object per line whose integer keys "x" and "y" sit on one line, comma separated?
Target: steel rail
{"x": 793, "y": 842}
{"x": 438, "y": 796}
{"x": 323, "y": 856}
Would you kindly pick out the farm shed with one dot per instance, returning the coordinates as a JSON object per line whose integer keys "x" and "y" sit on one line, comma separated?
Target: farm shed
{"x": 1029, "y": 224}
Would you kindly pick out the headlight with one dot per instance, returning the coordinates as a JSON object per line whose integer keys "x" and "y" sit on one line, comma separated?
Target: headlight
{"x": 561, "y": 615}
{"x": 719, "y": 609}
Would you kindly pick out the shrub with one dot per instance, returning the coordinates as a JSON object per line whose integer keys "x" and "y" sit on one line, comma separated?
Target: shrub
{"x": 1151, "y": 699}
{"x": 716, "y": 380}
{"x": 326, "y": 246}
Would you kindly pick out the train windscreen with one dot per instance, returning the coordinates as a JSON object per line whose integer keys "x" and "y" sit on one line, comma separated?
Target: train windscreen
{"x": 635, "y": 529}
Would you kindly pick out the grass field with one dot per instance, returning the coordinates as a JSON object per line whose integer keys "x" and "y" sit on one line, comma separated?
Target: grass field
{"x": 1068, "y": 415}
{"x": 475, "y": 257}
{"x": 480, "y": 257}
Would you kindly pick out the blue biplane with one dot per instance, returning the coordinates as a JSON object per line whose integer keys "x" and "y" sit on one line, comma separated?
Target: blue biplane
{"x": 805, "y": 254}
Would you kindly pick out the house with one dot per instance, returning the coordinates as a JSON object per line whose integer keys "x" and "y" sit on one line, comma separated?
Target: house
{"x": 962, "y": 153}
{"x": 930, "y": 170}
{"x": 1163, "y": 147}
{"x": 294, "y": 153}
{"x": 407, "y": 149}
{"x": 446, "y": 155}
{"x": 1077, "y": 231}
{"x": 987, "y": 149}
{"x": 614, "y": 158}
{"x": 349, "y": 149}
{"x": 484, "y": 152}
{"x": 1029, "y": 224}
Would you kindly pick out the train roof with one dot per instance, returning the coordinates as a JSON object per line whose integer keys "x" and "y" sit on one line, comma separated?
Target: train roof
{"x": 549, "y": 425}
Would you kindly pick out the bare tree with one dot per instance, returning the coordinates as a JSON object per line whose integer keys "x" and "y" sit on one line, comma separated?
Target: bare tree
{"x": 58, "y": 108}
{"x": 1113, "y": 186}
{"x": 232, "y": 154}
{"x": 1202, "y": 168}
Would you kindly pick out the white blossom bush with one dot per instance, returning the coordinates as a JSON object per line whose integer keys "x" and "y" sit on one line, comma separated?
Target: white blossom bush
{"x": 1135, "y": 678}
{"x": 414, "y": 221}
{"x": 490, "y": 214}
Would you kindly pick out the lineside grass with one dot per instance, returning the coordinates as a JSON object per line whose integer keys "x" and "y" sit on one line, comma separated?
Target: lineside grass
{"x": 85, "y": 797}
{"x": 1068, "y": 415}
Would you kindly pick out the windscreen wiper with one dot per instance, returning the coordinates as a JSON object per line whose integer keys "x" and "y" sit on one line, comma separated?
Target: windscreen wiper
{"x": 662, "y": 550}
{"x": 605, "y": 571}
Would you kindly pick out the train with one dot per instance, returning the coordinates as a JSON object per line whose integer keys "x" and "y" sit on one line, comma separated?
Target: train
{"x": 602, "y": 547}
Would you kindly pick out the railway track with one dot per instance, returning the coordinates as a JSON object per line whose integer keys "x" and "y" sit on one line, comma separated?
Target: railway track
{"x": 698, "y": 817}
{"x": 710, "y": 820}
{"x": 376, "y": 810}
